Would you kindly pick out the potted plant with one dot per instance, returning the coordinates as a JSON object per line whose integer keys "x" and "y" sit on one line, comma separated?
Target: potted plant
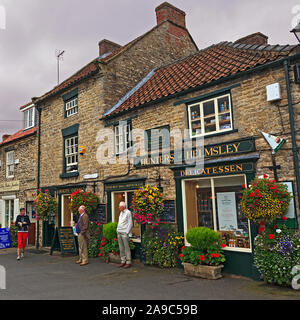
{"x": 96, "y": 235}
{"x": 161, "y": 246}
{"x": 204, "y": 257}
{"x": 109, "y": 247}
{"x": 264, "y": 200}
{"x": 86, "y": 198}
{"x": 46, "y": 205}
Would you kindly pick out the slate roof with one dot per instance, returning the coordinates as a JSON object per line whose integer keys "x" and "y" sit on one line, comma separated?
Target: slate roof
{"x": 213, "y": 63}
{"x": 19, "y": 135}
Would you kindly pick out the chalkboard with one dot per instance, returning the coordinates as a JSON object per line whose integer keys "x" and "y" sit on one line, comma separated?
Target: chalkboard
{"x": 4, "y": 238}
{"x": 99, "y": 215}
{"x": 64, "y": 240}
{"x": 169, "y": 212}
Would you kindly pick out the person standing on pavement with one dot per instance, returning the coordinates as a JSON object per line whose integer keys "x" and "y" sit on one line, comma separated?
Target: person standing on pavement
{"x": 82, "y": 229}
{"x": 124, "y": 226}
{"x": 23, "y": 223}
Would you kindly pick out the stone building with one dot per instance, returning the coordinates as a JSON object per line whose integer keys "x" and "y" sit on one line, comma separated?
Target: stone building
{"x": 18, "y": 158}
{"x": 69, "y": 114}
{"x": 219, "y": 99}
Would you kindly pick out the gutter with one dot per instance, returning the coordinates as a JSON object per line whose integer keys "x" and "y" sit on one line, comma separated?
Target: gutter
{"x": 39, "y": 109}
{"x": 286, "y": 64}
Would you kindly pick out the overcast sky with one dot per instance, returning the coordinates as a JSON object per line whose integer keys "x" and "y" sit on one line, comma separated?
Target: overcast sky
{"x": 32, "y": 30}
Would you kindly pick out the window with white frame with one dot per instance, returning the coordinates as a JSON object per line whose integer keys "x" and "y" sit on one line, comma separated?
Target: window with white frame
{"x": 123, "y": 139}
{"x": 71, "y": 154}
{"x": 10, "y": 155}
{"x": 210, "y": 116}
{"x": 71, "y": 107}
{"x": 29, "y": 117}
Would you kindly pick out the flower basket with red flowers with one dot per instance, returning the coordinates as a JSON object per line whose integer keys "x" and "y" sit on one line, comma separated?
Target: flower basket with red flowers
{"x": 265, "y": 200}
{"x": 46, "y": 205}
{"x": 86, "y": 198}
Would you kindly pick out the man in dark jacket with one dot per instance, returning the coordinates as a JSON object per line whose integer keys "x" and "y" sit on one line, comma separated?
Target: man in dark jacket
{"x": 82, "y": 229}
{"x": 23, "y": 223}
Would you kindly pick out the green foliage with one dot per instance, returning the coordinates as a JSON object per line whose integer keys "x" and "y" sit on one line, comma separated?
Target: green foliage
{"x": 111, "y": 246}
{"x": 96, "y": 235}
{"x": 201, "y": 238}
{"x": 110, "y": 230}
{"x": 13, "y": 233}
{"x": 88, "y": 199}
{"x": 276, "y": 252}
{"x": 161, "y": 246}
{"x": 45, "y": 205}
{"x": 206, "y": 247}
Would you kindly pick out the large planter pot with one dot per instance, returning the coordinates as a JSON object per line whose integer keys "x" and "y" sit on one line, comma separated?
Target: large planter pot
{"x": 202, "y": 271}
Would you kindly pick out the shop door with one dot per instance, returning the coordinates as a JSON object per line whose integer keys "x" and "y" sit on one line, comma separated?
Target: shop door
{"x": 31, "y": 214}
{"x": 67, "y": 220}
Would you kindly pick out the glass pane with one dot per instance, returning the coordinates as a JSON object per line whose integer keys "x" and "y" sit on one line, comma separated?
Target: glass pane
{"x": 195, "y": 119}
{"x": 232, "y": 224}
{"x": 136, "y": 229}
{"x": 11, "y": 211}
{"x": 224, "y": 113}
{"x": 6, "y": 222}
{"x": 204, "y": 207}
{"x": 209, "y": 116}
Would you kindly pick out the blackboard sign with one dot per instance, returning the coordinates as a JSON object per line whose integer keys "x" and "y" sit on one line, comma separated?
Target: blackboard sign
{"x": 4, "y": 238}
{"x": 169, "y": 212}
{"x": 99, "y": 215}
{"x": 64, "y": 240}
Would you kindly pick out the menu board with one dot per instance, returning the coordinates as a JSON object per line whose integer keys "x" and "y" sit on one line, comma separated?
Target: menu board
{"x": 4, "y": 238}
{"x": 169, "y": 212}
{"x": 226, "y": 206}
{"x": 63, "y": 240}
{"x": 99, "y": 215}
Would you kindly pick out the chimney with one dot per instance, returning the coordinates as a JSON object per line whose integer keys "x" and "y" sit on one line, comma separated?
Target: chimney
{"x": 5, "y": 136}
{"x": 106, "y": 46}
{"x": 166, "y": 11}
{"x": 254, "y": 38}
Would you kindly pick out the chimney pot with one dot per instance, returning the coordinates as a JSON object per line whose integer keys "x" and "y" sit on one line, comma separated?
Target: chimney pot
{"x": 166, "y": 11}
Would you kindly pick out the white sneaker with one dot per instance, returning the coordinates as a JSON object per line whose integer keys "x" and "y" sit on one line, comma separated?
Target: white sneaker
{"x": 22, "y": 255}
{"x": 18, "y": 257}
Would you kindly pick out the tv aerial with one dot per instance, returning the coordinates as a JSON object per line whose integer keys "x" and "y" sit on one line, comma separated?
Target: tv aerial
{"x": 59, "y": 57}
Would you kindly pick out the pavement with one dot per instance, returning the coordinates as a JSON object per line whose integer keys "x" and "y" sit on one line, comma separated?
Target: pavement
{"x": 40, "y": 276}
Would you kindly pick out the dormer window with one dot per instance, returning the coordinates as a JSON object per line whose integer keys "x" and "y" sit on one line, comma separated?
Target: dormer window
{"x": 29, "y": 117}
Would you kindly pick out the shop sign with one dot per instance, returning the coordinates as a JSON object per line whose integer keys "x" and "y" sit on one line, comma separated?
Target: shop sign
{"x": 205, "y": 152}
{"x": 128, "y": 185}
{"x": 9, "y": 186}
{"x": 218, "y": 169}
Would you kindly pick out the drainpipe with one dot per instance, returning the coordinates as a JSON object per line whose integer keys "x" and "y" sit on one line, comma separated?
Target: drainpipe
{"x": 291, "y": 118}
{"x": 38, "y": 171}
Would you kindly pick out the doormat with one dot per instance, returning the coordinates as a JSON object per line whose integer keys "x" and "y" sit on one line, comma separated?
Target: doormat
{"x": 37, "y": 251}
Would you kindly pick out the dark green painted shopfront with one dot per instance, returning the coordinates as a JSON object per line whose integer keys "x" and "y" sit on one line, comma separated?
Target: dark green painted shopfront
{"x": 207, "y": 196}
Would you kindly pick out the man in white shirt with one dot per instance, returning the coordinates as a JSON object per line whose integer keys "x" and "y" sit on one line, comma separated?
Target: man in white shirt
{"x": 124, "y": 226}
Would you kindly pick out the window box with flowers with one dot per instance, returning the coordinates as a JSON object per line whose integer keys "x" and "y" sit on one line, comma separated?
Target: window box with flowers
{"x": 204, "y": 257}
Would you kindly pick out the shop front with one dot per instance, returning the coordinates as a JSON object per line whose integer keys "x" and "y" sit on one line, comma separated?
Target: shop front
{"x": 210, "y": 197}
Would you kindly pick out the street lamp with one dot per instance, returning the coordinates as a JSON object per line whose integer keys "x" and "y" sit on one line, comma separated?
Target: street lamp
{"x": 296, "y": 32}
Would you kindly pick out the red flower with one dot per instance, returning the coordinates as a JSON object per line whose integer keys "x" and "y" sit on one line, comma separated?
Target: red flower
{"x": 265, "y": 176}
{"x": 243, "y": 186}
{"x": 217, "y": 255}
{"x": 212, "y": 255}
{"x": 115, "y": 239}
{"x": 252, "y": 194}
{"x": 283, "y": 217}
{"x": 183, "y": 248}
{"x": 181, "y": 255}
{"x": 256, "y": 190}
{"x": 223, "y": 245}
{"x": 271, "y": 236}
{"x": 201, "y": 257}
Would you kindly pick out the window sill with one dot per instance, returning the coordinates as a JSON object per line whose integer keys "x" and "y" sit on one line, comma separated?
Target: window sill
{"x": 214, "y": 134}
{"x": 69, "y": 175}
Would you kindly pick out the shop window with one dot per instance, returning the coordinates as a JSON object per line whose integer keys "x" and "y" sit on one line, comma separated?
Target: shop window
{"x": 210, "y": 116}
{"x": 127, "y": 197}
{"x": 215, "y": 203}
